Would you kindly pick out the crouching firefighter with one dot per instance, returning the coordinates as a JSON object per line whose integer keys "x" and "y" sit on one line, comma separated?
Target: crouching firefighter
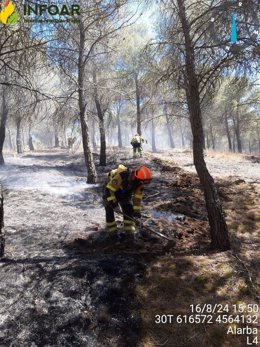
{"x": 125, "y": 186}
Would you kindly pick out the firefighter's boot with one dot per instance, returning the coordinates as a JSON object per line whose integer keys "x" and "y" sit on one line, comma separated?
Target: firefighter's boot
{"x": 111, "y": 227}
{"x": 129, "y": 226}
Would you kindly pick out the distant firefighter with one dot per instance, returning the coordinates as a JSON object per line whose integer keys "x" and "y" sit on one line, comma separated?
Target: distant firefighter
{"x": 125, "y": 186}
{"x": 136, "y": 142}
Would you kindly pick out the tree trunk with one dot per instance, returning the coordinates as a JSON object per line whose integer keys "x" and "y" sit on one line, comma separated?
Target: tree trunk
{"x": 92, "y": 175}
{"x": 2, "y": 235}
{"x": 228, "y": 131}
{"x": 56, "y": 140}
{"x": 153, "y": 137}
{"x": 102, "y": 131}
{"x": 169, "y": 128}
{"x": 138, "y": 106}
{"x": 207, "y": 140}
{"x": 10, "y": 139}
{"x": 19, "y": 136}
{"x": 119, "y": 131}
{"x": 238, "y": 134}
{"x": 218, "y": 227}
{"x": 182, "y": 139}
{"x": 102, "y": 153}
{"x": 64, "y": 135}
{"x": 23, "y": 139}
{"x": 212, "y": 137}
{"x": 93, "y": 138}
{"x": 30, "y": 142}
{"x": 234, "y": 139}
{"x": 258, "y": 137}
{"x": 4, "y": 114}
{"x": 235, "y": 134}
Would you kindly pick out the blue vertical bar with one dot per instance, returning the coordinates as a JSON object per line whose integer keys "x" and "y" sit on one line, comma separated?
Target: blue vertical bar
{"x": 234, "y": 29}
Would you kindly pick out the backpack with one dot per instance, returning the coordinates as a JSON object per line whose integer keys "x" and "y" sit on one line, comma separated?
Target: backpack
{"x": 135, "y": 139}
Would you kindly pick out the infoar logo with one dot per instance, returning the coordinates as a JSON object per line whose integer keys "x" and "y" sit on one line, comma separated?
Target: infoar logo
{"x": 8, "y": 14}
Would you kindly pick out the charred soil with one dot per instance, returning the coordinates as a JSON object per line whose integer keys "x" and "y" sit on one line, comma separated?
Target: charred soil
{"x": 65, "y": 282}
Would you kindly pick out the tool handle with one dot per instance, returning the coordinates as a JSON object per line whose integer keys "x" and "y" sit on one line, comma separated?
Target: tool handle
{"x": 143, "y": 226}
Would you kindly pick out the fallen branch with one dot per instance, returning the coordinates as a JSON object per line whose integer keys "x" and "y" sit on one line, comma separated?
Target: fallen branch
{"x": 247, "y": 270}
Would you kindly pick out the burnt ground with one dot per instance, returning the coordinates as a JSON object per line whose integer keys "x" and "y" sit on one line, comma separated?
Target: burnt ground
{"x": 53, "y": 294}
{"x": 220, "y": 164}
{"x": 64, "y": 282}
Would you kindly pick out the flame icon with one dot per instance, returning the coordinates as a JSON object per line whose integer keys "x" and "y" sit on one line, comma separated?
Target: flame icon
{"x": 8, "y": 15}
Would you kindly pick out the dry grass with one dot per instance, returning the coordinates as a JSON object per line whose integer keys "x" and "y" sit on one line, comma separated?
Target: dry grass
{"x": 227, "y": 278}
{"x": 177, "y": 283}
{"x": 225, "y": 155}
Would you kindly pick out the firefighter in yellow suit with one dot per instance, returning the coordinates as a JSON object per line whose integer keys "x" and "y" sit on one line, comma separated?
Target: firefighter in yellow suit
{"x": 137, "y": 142}
{"x": 125, "y": 186}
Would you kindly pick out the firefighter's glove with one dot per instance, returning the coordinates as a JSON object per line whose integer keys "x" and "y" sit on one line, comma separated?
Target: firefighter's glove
{"x": 137, "y": 214}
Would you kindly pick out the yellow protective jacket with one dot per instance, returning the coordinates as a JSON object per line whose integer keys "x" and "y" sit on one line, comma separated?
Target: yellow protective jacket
{"x": 120, "y": 184}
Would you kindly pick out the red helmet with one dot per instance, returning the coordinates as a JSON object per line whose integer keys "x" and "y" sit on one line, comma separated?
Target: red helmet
{"x": 143, "y": 174}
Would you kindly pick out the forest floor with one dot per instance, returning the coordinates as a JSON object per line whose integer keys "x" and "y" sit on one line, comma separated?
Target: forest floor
{"x": 220, "y": 164}
{"x": 65, "y": 282}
